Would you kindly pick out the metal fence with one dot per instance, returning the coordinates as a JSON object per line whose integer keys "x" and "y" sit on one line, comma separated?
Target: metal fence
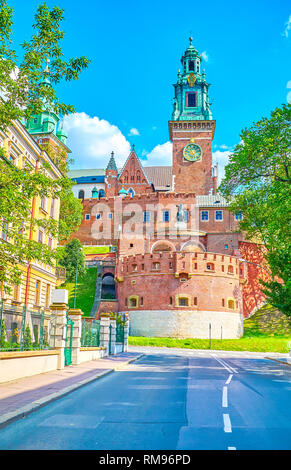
{"x": 119, "y": 332}
{"x": 90, "y": 333}
{"x": 22, "y": 329}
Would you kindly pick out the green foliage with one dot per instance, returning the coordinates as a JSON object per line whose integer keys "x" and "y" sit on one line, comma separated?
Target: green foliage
{"x": 3, "y": 335}
{"x": 23, "y": 94}
{"x": 72, "y": 258}
{"x": 85, "y": 291}
{"x": 27, "y": 341}
{"x": 21, "y": 83}
{"x": 71, "y": 214}
{"x": 257, "y": 182}
{"x": 259, "y": 342}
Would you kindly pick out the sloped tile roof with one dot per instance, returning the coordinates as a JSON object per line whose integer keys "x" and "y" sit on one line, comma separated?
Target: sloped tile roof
{"x": 160, "y": 176}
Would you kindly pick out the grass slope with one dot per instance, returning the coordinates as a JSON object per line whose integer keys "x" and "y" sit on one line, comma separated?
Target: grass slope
{"x": 92, "y": 250}
{"x": 85, "y": 291}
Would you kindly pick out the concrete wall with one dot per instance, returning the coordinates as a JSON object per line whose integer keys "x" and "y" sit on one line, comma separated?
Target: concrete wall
{"x": 185, "y": 324}
{"x": 91, "y": 354}
{"x": 14, "y": 365}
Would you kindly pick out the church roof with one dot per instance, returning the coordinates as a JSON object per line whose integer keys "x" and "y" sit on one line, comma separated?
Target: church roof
{"x": 211, "y": 200}
{"x": 111, "y": 164}
{"x": 160, "y": 176}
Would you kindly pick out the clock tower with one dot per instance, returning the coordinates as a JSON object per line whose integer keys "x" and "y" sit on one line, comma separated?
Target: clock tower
{"x": 192, "y": 129}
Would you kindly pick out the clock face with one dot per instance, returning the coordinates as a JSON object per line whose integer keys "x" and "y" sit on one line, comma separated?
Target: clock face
{"x": 192, "y": 152}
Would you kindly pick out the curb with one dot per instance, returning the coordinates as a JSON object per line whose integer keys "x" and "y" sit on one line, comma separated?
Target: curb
{"x": 281, "y": 362}
{"x": 26, "y": 410}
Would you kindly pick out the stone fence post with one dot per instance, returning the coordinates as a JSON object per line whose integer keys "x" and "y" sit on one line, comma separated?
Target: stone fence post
{"x": 57, "y": 339}
{"x": 113, "y": 335}
{"x": 126, "y": 334}
{"x": 104, "y": 331}
{"x": 75, "y": 314}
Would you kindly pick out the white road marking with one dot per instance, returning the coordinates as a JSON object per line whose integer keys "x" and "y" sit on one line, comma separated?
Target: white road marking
{"x": 231, "y": 448}
{"x": 224, "y": 397}
{"x": 229, "y": 379}
{"x": 227, "y": 423}
{"x": 229, "y": 368}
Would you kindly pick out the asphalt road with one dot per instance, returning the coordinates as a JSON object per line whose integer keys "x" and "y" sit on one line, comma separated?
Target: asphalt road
{"x": 168, "y": 400}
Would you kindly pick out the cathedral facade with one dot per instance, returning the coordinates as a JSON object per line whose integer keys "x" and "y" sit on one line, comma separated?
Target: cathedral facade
{"x": 180, "y": 266}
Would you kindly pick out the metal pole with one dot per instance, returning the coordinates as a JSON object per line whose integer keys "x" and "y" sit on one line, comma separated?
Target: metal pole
{"x": 76, "y": 280}
{"x": 221, "y": 334}
{"x": 209, "y": 335}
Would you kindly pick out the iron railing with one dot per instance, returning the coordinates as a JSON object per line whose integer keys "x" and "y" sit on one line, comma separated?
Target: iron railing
{"x": 22, "y": 329}
{"x": 119, "y": 332}
{"x": 90, "y": 336}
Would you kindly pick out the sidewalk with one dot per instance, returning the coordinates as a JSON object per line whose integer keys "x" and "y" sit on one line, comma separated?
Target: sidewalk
{"x": 20, "y": 397}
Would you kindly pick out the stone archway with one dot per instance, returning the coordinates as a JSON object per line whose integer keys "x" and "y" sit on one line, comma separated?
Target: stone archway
{"x": 193, "y": 247}
{"x": 108, "y": 287}
{"x": 163, "y": 246}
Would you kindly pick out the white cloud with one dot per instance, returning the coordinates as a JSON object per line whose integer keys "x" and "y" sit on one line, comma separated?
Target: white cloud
{"x": 133, "y": 131}
{"x": 224, "y": 147}
{"x": 160, "y": 155}
{"x": 92, "y": 140}
{"x": 222, "y": 159}
{"x": 205, "y": 56}
{"x": 287, "y": 28}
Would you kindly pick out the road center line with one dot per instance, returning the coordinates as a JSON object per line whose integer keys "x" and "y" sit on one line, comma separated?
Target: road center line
{"x": 229, "y": 379}
{"x": 227, "y": 423}
{"x": 231, "y": 448}
{"x": 229, "y": 368}
{"x": 224, "y": 397}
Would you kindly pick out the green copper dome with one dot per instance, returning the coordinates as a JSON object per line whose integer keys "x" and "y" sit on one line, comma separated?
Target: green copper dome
{"x": 191, "y": 101}
{"x": 122, "y": 191}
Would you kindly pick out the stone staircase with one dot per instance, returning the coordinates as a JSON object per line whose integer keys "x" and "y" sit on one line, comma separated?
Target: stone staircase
{"x": 98, "y": 290}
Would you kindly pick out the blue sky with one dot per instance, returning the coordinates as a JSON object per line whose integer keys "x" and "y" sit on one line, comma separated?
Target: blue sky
{"x": 135, "y": 49}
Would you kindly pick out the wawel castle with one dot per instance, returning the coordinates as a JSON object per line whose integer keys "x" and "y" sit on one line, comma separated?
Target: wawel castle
{"x": 177, "y": 263}
{"x": 180, "y": 266}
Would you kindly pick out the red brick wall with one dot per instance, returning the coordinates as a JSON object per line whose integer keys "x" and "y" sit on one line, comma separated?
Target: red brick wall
{"x": 157, "y": 286}
{"x": 253, "y": 296}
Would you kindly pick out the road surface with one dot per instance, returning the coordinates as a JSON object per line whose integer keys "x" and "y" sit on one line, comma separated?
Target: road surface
{"x": 170, "y": 399}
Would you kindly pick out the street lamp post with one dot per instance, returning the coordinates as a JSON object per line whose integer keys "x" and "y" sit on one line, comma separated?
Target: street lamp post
{"x": 76, "y": 278}
{"x": 256, "y": 264}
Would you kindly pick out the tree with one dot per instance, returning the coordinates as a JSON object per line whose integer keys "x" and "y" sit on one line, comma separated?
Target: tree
{"x": 72, "y": 254}
{"x": 23, "y": 84}
{"x": 257, "y": 183}
{"x": 23, "y": 94}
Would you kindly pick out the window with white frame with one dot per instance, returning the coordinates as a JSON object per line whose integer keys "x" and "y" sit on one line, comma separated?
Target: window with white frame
{"x": 166, "y": 216}
{"x": 218, "y": 215}
{"x": 87, "y": 217}
{"x": 238, "y": 215}
{"x": 146, "y": 216}
{"x": 205, "y": 215}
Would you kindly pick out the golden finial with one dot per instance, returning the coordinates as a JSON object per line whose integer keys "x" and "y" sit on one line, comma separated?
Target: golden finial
{"x": 190, "y": 39}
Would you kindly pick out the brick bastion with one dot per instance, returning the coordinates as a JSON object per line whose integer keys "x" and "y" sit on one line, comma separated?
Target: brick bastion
{"x": 180, "y": 294}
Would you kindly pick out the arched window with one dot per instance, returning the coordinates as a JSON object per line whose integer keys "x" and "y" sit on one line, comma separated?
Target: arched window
{"x": 133, "y": 301}
{"x": 126, "y": 177}
{"x": 101, "y": 193}
{"x": 230, "y": 269}
{"x": 210, "y": 266}
{"x": 138, "y": 176}
{"x": 94, "y": 193}
{"x": 230, "y": 303}
{"x": 191, "y": 65}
